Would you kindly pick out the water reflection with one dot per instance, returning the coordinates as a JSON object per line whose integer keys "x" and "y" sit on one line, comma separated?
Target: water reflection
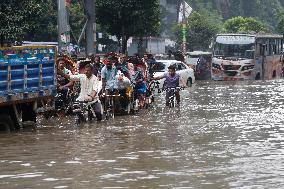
{"x": 224, "y": 135}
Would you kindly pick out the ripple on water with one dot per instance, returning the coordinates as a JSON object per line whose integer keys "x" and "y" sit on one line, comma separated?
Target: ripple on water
{"x": 224, "y": 135}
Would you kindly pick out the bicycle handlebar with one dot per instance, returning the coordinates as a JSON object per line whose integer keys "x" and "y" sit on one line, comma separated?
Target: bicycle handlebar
{"x": 174, "y": 88}
{"x": 115, "y": 95}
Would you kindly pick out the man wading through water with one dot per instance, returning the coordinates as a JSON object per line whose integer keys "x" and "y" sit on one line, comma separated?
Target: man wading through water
{"x": 89, "y": 88}
{"x": 172, "y": 80}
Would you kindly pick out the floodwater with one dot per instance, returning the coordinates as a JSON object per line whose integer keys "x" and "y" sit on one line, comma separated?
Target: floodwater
{"x": 224, "y": 135}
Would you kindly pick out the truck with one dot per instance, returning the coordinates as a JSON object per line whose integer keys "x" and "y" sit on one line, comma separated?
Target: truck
{"x": 27, "y": 83}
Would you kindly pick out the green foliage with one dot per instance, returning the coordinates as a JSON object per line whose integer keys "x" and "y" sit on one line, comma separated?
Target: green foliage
{"x": 265, "y": 10}
{"x": 200, "y": 31}
{"x": 244, "y": 25}
{"x": 45, "y": 23}
{"x": 18, "y": 18}
{"x": 280, "y": 24}
{"x": 77, "y": 19}
{"x": 125, "y": 18}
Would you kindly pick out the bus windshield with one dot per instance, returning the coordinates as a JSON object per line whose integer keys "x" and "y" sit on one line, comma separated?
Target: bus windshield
{"x": 245, "y": 51}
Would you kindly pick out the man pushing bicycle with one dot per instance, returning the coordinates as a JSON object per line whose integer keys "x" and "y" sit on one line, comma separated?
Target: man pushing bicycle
{"x": 89, "y": 88}
{"x": 172, "y": 81}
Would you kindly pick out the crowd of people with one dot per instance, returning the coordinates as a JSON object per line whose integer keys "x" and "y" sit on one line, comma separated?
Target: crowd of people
{"x": 92, "y": 79}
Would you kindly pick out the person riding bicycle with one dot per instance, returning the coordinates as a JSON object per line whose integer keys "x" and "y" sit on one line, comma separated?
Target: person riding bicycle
{"x": 64, "y": 85}
{"x": 88, "y": 90}
{"x": 172, "y": 80}
{"x": 123, "y": 65}
{"x": 109, "y": 85}
{"x": 123, "y": 84}
{"x": 108, "y": 74}
{"x": 140, "y": 86}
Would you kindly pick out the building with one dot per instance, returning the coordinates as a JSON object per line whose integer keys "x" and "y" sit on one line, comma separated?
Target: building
{"x": 155, "y": 45}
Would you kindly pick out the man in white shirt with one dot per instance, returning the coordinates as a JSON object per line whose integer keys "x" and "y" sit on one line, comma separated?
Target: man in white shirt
{"x": 89, "y": 86}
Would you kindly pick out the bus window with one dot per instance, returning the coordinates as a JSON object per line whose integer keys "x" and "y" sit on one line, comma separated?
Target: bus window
{"x": 233, "y": 50}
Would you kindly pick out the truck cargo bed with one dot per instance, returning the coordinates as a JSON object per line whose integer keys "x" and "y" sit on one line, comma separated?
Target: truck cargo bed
{"x": 27, "y": 73}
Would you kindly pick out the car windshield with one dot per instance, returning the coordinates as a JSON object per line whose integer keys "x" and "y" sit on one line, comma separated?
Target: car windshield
{"x": 234, "y": 50}
{"x": 160, "y": 67}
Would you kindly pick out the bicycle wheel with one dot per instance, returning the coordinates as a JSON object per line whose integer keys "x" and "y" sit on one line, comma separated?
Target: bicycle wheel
{"x": 136, "y": 105}
{"x": 112, "y": 107}
{"x": 79, "y": 119}
{"x": 172, "y": 101}
{"x": 107, "y": 114}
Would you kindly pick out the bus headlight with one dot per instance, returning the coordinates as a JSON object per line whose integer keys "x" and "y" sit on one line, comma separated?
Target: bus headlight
{"x": 250, "y": 67}
{"x": 216, "y": 66}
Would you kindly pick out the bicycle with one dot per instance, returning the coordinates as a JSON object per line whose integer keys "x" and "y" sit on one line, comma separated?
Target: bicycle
{"x": 171, "y": 96}
{"x": 109, "y": 105}
{"x": 149, "y": 93}
{"x": 134, "y": 102}
{"x": 83, "y": 111}
{"x": 62, "y": 105}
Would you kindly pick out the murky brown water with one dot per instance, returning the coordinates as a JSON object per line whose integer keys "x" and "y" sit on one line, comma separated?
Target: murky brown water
{"x": 225, "y": 135}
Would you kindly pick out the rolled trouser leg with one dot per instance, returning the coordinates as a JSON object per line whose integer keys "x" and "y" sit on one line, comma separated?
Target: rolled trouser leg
{"x": 167, "y": 98}
{"x": 97, "y": 107}
{"x": 178, "y": 97}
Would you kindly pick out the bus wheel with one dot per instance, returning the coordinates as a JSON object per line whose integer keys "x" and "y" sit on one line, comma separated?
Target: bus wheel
{"x": 6, "y": 123}
{"x": 257, "y": 77}
{"x": 189, "y": 82}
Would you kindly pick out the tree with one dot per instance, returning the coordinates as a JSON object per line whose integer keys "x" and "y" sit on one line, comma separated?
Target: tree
{"x": 17, "y": 18}
{"x": 244, "y": 25}
{"x": 126, "y": 18}
{"x": 280, "y": 24}
{"x": 44, "y": 23}
{"x": 200, "y": 32}
{"x": 148, "y": 21}
{"x": 77, "y": 20}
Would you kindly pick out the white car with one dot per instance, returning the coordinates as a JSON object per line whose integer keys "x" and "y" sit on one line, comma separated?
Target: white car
{"x": 186, "y": 73}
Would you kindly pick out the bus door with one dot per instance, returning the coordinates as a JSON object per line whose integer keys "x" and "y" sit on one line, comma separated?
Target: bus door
{"x": 263, "y": 48}
{"x": 259, "y": 67}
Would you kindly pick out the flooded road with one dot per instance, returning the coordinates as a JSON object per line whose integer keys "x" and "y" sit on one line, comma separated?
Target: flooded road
{"x": 225, "y": 135}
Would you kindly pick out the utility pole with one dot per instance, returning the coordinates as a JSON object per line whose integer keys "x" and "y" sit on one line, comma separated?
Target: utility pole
{"x": 183, "y": 30}
{"x": 90, "y": 27}
{"x": 63, "y": 26}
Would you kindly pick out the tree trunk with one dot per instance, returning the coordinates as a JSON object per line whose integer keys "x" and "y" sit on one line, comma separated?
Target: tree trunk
{"x": 119, "y": 42}
{"x": 124, "y": 44}
{"x": 140, "y": 49}
{"x": 1, "y": 41}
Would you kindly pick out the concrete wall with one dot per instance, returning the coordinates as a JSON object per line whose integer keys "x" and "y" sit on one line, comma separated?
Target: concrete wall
{"x": 153, "y": 46}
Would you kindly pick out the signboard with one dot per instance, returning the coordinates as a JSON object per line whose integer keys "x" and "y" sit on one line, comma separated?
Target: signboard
{"x": 235, "y": 39}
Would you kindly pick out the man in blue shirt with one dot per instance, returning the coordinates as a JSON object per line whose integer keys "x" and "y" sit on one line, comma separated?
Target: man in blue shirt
{"x": 108, "y": 74}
